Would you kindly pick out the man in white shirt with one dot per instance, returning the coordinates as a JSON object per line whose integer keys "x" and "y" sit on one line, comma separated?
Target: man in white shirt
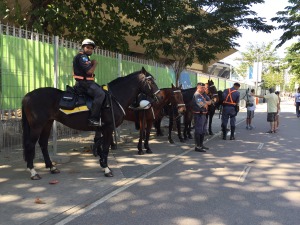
{"x": 272, "y": 108}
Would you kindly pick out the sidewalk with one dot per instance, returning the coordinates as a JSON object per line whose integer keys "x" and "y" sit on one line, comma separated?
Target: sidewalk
{"x": 81, "y": 181}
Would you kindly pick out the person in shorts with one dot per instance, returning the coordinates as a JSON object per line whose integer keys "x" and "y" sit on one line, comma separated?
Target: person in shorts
{"x": 272, "y": 108}
{"x": 277, "y": 116}
{"x": 251, "y": 106}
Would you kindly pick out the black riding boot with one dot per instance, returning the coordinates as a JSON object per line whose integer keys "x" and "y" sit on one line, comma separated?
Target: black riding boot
{"x": 92, "y": 121}
{"x": 95, "y": 118}
{"x": 224, "y": 132}
{"x": 198, "y": 143}
{"x": 232, "y": 133}
{"x": 201, "y": 142}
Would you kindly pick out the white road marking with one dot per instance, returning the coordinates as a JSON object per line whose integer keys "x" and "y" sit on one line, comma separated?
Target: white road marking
{"x": 117, "y": 191}
{"x": 260, "y": 146}
{"x": 244, "y": 173}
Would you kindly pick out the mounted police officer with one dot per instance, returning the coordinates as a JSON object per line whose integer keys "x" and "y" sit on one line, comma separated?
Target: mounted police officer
{"x": 231, "y": 101}
{"x": 200, "y": 105}
{"x": 83, "y": 69}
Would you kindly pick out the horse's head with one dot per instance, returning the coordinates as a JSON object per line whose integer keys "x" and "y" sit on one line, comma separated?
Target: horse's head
{"x": 212, "y": 91}
{"x": 149, "y": 87}
{"x": 177, "y": 99}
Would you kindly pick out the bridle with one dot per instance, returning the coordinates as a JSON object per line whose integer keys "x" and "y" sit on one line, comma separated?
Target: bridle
{"x": 149, "y": 81}
{"x": 180, "y": 104}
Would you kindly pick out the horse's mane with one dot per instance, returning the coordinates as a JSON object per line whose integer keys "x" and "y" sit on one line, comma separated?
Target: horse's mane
{"x": 125, "y": 78}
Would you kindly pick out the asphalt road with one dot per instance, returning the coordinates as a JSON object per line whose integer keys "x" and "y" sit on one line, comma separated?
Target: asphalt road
{"x": 252, "y": 180}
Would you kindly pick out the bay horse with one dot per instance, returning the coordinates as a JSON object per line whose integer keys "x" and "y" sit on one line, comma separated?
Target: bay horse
{"x": 40, "y": 108}
{"x": 188, "y": 115}
{"x": 146, "y": 117}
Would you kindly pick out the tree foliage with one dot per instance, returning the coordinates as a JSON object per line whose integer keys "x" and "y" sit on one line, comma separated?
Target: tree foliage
{"x": 254, "y": 52}
{"x": 273, "y": 76}
{"x": 292, "y": 59}
{"x": 187, "y": 31}
{"x": 99, "y": 20}
{"x": 182, "y": 31}
{"x": 289, "y": 20}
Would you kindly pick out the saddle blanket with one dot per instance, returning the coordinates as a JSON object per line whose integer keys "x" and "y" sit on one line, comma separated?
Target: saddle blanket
{"x": 75, "y": 110}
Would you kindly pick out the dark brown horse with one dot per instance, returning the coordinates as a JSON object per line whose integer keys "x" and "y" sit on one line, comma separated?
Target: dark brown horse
{"x": 40, "y": 108}
{"x": 146, "y": 117}
{"x": 188, "y": 115}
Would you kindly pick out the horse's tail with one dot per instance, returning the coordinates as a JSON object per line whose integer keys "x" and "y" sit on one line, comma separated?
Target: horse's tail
{"x": 26, "y": 137}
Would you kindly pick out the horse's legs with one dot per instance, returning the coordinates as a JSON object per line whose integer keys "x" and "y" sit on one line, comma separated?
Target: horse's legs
{"x": 189, "y": 129}
{"x": 170, "y": 128}
{"x": 140, "y": 144}
{"x": 142, "y": 133}
{"x": 29, "y": 152}
{"x": 210, "y": 117}
{"x": 103, "y": 150}
{"x": 178, "y": 124}
{"x": 147, "y": 137}
{"x": 43, "y": 142}
{"x": 157, "y": 125}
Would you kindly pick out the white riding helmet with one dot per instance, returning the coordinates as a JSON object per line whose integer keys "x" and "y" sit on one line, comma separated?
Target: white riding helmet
{"x": 145, "y": 104}
{"x": 88, "y": 42}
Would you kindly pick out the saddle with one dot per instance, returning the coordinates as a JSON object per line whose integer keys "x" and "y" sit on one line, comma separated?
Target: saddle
{"x": 74, "y": 101}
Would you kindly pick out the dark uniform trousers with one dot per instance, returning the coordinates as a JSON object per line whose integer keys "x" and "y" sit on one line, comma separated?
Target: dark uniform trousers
{"x": 96, "y": 92}
{"x": 200, "y": 123}
{"x": 229, "y": 112}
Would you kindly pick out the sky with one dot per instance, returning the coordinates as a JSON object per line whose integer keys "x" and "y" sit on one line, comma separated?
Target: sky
{"x": 267, "y": 10}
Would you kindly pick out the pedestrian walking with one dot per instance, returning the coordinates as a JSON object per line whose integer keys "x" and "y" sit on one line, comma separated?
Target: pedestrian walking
{"x": 251, "y": 106}
{"x": 297, "y": 102}
{"x": 279, "y": 109}
{"x": 231, "y": 101}
{"x": 199, "y": 106}
{"x": 272, "y": 108}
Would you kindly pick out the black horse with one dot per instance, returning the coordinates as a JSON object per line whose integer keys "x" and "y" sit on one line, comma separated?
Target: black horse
{"x": 40, "y": 108}
{"x": 188, "y": 115}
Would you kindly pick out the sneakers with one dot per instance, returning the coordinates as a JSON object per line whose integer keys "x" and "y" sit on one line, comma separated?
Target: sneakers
{"x": 249, "y": 127}
{"x": 94, "y": 123}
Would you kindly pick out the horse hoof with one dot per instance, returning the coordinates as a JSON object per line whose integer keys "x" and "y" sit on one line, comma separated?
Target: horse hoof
{"x": 141, "y": 152}
{"x": 55, "y": 171}
{"x": 171, "y": 141}
{"x": 191, "y": 137}
{"x": 149, "y": 151}
{"x": 113, "y": 147}
{"x": 36, "y": 177}
{"x": 182, "y": 140}
{"x": 109, "y": 174}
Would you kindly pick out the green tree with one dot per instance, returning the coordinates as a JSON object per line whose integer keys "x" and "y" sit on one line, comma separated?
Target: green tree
{"x": 289, "y": 20}
{"x": 182, "y": 31}
{"x": 186, "y": 31}
{"x": 273, "y": 76}
{"x": 99, "y": 20}
{"x": 292, "y": 59}
{"x": 255, "y": 52}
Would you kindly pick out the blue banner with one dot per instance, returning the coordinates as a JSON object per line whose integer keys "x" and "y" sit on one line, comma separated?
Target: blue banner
{"x": 250, "y": 72}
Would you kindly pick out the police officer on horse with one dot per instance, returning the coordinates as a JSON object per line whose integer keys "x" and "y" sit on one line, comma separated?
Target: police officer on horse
{"x": 231, "y": 101}
{"x": 83, "y": 69}
{"x": 199, "y": 106}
